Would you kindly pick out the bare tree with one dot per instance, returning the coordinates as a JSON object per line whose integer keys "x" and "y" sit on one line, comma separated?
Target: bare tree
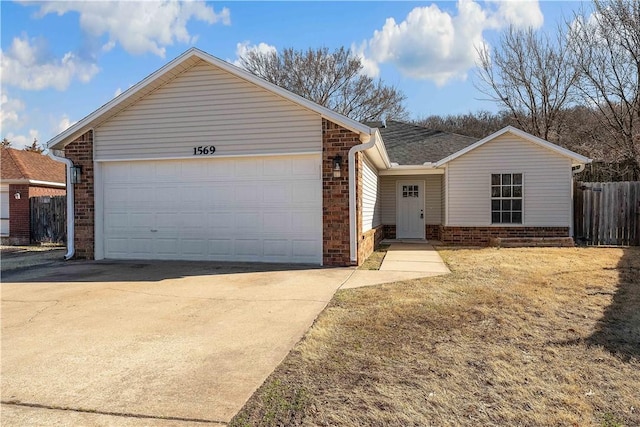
{"x": 34, "y": 147}
{"x": 331, "y": 79}
{"x": 607, "y": 54}
{"x": 530, "y": 75}
{"x": 479, "y": 124}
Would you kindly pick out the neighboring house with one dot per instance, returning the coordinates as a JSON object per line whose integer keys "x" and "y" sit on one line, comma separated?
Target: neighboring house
{"x": 25, "y": 174}
{"x": 205, "y": 161}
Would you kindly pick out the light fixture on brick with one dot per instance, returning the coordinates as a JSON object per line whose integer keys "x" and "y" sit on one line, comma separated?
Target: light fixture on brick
{"x": 337, "y": 166}
{"x": 76, "y": 174}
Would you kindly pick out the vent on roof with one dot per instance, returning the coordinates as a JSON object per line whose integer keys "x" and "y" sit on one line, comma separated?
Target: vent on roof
{"x": 384, "y": 122}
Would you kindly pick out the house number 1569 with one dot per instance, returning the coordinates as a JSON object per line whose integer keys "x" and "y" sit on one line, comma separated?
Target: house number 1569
{"x": 203, "y": 150}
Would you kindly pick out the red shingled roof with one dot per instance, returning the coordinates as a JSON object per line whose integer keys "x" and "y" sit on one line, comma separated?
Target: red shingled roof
{"x": 27, "y": 165}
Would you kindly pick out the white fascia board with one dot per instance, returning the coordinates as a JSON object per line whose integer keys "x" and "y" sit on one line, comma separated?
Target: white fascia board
{"x": 47, "y": 183}
{"x": 14, "y": 181}
{"x": 324, "y": 112}
{"x": 575, "y": 157}
{"x": 34, "y": 182}
{"x": 222, "y": 156}
{"x": 378, "y": 153}
{"x": 412, "y": 170}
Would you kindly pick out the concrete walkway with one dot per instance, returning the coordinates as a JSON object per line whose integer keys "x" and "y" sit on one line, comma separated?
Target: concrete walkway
{"x": 416, "y": 257}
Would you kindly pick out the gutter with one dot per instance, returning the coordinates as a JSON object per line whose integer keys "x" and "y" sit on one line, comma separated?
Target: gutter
{"x": 367, "y": 142}
{"x": 71, "y": 250}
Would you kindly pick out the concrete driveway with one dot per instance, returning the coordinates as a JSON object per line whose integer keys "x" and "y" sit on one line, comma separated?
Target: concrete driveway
{"x": 149, "y": 343}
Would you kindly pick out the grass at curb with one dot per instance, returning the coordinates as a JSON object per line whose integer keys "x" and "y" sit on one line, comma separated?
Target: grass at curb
{"x": 375, "y": 259}
{"x": 537, "y": 336}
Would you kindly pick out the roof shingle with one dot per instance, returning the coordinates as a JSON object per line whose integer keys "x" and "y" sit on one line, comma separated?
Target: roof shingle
{"x": 27, "y": 165}
{"x": 409, "y": 144}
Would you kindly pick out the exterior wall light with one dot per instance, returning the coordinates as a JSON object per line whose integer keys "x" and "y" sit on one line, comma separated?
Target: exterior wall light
{"x": 76, "y": 174}
{"x": 17, "y": 195}
{"x": 337, "y": 166}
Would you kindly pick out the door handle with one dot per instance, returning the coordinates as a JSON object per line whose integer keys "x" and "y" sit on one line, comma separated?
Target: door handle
{"x": 421, "y": 213}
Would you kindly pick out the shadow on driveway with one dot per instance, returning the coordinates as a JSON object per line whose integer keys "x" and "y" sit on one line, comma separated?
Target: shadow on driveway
{"x": 137, "y": 271}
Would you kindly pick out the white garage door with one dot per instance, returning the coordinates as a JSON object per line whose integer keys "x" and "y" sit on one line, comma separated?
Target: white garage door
{"x": 266, "y": 209}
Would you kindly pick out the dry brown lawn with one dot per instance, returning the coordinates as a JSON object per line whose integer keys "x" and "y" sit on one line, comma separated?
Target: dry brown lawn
{"x": 375, "y": 260}
{"x": 513, "y": 337}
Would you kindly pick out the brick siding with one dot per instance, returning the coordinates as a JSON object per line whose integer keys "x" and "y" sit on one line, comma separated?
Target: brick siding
{"x": 432, "y": 232}
{"x": 480, "y": 236}
{"x": 336, "y": 140}
{"x": 368, "y": 242}
{"x": 19, "y": 212}
{"x": 80, "y": 152}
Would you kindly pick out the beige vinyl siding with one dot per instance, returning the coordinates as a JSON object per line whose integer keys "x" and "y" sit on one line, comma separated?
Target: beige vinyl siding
{"x": 443, "y": 199}
{"x": 432, "y": 200}
{"x": 370, "y": 196}
{"x": 208, "y": 106}
{"x": 546, "y": 175}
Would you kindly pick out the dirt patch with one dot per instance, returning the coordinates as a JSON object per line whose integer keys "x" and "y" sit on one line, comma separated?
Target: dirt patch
{"x": 19, "y": 257}
{"x": 375, "y": 259}
{"x": 542, "y": 336}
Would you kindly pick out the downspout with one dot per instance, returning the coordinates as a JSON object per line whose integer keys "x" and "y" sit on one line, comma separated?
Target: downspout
{"x": 71, "y": 250}
{"x": 367, "y": 142}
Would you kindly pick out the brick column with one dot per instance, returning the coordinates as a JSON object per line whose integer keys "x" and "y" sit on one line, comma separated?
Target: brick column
{"x": 19, "y": 215}
{"x": 80, "y": 152}
{"x": 336, "y": 140}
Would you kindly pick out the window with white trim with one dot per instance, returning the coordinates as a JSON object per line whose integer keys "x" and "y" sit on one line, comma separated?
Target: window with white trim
{"x": 506, "y": 198}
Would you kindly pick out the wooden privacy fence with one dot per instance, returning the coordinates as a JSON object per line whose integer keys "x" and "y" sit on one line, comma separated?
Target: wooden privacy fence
{"x": 607, "y": 213}
{"x": 48, "y": 216}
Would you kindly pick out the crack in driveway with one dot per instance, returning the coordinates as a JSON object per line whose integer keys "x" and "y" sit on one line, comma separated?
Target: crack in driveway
{"x": 38, "y": 312}
{"x": 110, "y": 413}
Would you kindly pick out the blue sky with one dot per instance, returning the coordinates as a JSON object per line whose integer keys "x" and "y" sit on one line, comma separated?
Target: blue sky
{"x": 62, "y": 60}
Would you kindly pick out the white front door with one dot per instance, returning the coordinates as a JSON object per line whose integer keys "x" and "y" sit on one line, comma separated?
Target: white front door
{"x": 410, "y": 210}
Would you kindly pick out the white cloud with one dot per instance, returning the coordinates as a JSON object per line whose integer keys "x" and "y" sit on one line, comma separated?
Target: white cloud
{"x": 433, "y": 44}
{"x": 369, "y": 66}
{"x": 28, "y": 65}
{"x": 519, "y": 13}
{"x": 21, "y": 141}
{"x": 64, "y": 124}
{"x": 117, "y": 93}
{"x": 139, "y": 26}
{"x": 243, "y": 48}
{"x": 10, "y": 109}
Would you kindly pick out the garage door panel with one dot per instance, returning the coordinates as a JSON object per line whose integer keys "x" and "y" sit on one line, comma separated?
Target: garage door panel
{"x": 248, "y": 248}
{"x": 246, "y": 169}
{"x": 304, "y": 248}
{"x": 142, "y": 247}
{"x": 219, "y": 247}
{"x": 165, "y": 246}
{"x": 276, "y": 192}
{"x": 305, "y": 196}
{"x": 277, "y": 248}
{"x": 247, "y": 209}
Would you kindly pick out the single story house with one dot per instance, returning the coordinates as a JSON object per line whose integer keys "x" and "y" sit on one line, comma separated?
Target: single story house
{"x": 204, "y": 161}
{"x": 23, "y": 175}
